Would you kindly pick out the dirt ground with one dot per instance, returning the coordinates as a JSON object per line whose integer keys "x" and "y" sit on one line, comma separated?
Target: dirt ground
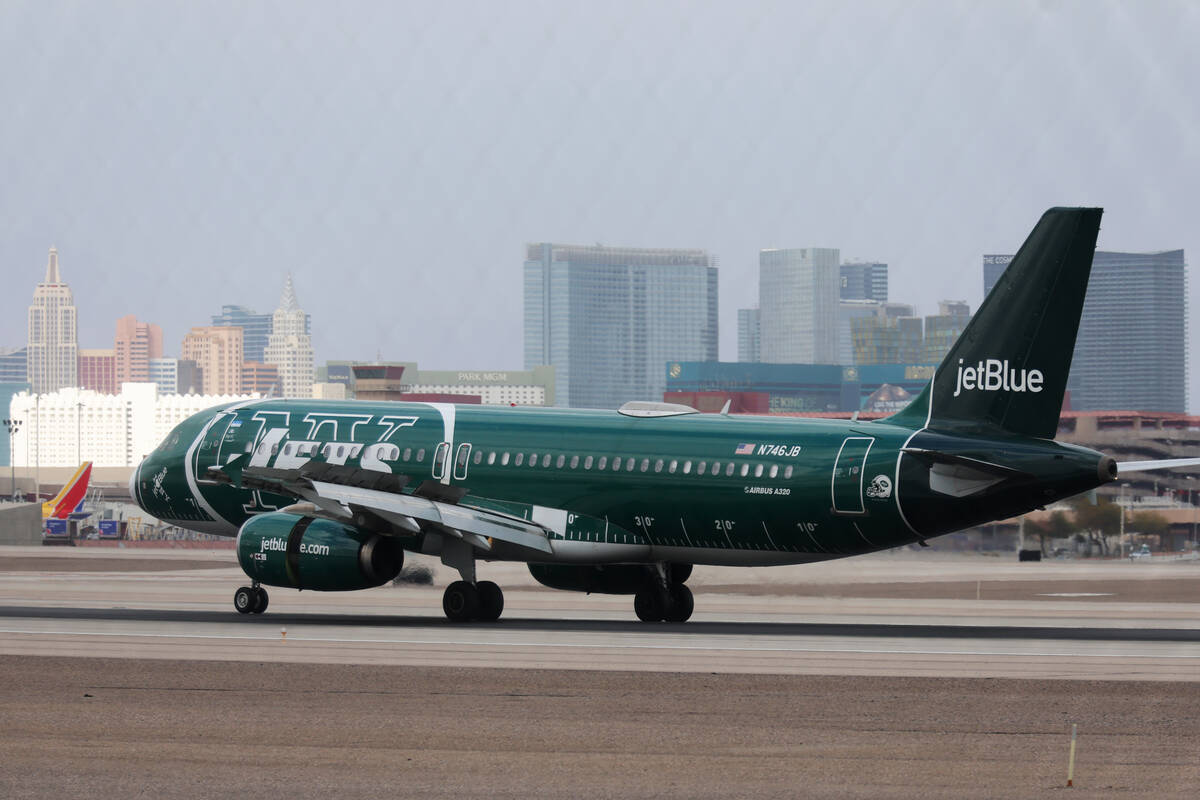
{"x": 166, "y": 729}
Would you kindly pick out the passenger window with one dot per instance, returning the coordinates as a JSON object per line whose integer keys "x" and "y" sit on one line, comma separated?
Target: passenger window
{"x": 287, "y": 449}
{"x": 602, "y": 463}
{"x": 616, "y": 464}
{"x": 574, "y": 462}
{"x": 491, "y": 457}
{"x": 407, "y": 453}
{"x": 558, "y": 462}
{"x": 504, "y": 459}
{"x": 420, "y": 455}
{"x": 758, "y": 468}
{"x": 478, "y": 456}
{"x": 587, "y": 463}
{"x": 274, "y": 449}
{"x": 774, "y": 470}
{"x": 716, "y": 468}
{"x": 546, "y": 460}
{"x": 340, "y": 450}
{"x": 687, "y": 467}
{"x": 658, "y": 465}
{"x": 787, "y": 473}
{"x": 729, "y": 469}
{"x": 629, "y": 464}
{"x": 674, "y": 464}
{"x": 745, "y": 470}
{"x": 645, "y": 465}
{"x": 701, "y": 467}
{"x": 520, "y": 459}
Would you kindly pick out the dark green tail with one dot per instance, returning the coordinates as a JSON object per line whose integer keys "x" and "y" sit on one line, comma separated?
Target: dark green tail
{"x": 1009, "y": 368}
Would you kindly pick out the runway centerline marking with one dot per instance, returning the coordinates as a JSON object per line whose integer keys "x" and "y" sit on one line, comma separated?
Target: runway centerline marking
{"x": 606, "y": 646}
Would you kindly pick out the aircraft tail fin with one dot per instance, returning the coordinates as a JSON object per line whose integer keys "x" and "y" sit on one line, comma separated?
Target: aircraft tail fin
{"x": 70, "y": 496}
{"x": 1009, "y": 368}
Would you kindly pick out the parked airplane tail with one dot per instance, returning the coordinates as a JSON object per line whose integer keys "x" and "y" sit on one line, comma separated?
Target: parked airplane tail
{"x": 1008, "y": 369}
{"x": 70, "y": 496}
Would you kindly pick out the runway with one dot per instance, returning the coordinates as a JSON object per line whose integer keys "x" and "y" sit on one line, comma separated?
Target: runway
{"x": 128, "y": 673}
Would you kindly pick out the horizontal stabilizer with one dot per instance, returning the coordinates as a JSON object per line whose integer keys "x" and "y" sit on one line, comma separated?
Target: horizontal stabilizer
{"x": 1147, "y": 466}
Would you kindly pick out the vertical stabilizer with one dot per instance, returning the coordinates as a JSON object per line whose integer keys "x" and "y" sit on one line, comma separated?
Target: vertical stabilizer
{"x": 1009, "y": 368}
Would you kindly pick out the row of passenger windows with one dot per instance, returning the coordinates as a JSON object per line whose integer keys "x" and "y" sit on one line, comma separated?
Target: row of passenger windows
{"x": 629, "y": 464}
{"x": 615, "y": 464}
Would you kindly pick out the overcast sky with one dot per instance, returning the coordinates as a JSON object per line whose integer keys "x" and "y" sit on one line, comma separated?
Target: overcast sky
{"x": 397, "y": 156}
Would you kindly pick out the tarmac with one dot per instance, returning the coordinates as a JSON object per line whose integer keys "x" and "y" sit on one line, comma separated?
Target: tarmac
{"x": 127, "y": 672}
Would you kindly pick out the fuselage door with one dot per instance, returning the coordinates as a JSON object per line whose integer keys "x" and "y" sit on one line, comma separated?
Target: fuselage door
{"x": 440, "y": 458}
{"x": 848, "y": 472}
{"x": 461, "y": 459}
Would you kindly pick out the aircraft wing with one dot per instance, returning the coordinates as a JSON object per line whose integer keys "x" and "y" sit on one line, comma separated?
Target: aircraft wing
{"x": 1148, "y": 466}
{"x": 367, "y": 497}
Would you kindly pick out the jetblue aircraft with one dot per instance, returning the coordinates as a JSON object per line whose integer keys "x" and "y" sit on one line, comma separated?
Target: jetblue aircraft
{"x": 328, "y": 496}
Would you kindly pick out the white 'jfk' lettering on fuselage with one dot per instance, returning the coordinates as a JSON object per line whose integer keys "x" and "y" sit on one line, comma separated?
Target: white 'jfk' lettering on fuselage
{"x": 994, "y": 375}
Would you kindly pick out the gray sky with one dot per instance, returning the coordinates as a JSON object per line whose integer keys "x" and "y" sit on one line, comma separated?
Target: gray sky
{"x": 396, "y": 156}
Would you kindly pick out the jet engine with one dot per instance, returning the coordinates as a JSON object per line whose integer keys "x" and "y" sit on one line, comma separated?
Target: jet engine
{"x": 282, "y": 549}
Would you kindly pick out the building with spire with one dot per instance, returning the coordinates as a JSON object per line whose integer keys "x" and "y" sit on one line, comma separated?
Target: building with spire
{"x": 53, "y": 351}
{"x": 289, "y": 348}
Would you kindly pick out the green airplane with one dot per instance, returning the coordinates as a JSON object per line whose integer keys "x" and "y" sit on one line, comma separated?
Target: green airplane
{"x": 328, "y": 496}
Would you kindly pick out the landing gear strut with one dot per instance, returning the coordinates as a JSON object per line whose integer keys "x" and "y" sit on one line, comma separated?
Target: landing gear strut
{"x": 482, "y": 601}
{"x": 665, "y": 598}
{"x": 250, "y": 600}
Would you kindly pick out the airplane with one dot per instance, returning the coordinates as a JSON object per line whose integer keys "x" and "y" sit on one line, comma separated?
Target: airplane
{"x": 329, "y": 495}
{"x": 70, "y": 498}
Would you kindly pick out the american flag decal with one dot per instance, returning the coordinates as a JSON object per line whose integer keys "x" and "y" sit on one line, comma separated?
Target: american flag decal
{"x": 744, "y": 450}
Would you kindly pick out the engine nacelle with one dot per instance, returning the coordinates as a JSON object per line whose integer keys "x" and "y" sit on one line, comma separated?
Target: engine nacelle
{"x": 601, "y": 579}
{"x": 282, "y": 549}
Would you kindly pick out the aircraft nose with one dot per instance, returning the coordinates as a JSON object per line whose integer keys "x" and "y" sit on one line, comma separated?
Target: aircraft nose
{"x": 133, "y": 483}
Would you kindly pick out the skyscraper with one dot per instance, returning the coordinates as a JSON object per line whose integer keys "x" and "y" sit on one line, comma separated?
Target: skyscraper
{"x": 864, "y": 281}
{"x": 256, "y": 328}
{"x": 289, "y": 347}
{"x": 218, "y": 356}
{"x": 993, "y": 268}
{"x": 97, "y": 371}
{"x": 609, "y": 319}
{"x": 136, "y": 344}
{"x": 798, "y": 300}
{"x": 53, "y": 351}
{"x": 1130, "y": 352}
{"x": 749, "y": 338}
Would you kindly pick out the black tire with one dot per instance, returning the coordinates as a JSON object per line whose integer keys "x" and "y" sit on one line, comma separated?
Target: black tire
{"x": 244, "y": 600}
{"x": 460, "y": 602}
{"x": 680, "y": 573}
{"x": 681, "y": 604}
{"x": 648, "y": 606}
{"x": 260, "y": 600}
{"x": 491, "y": 601}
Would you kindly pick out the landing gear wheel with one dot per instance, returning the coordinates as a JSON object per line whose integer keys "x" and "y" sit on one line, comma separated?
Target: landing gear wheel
{"x": 260, "y": 600}
{"x": 245, "y": 599}
{"x": 491, "y": 601}
{"x": 460, "y": 601}
{"x": 681, "y": 604}
{"x": 648, "y": 605}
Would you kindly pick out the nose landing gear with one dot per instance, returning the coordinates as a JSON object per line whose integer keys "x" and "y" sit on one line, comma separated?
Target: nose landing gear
{"x": 250, "y": 599}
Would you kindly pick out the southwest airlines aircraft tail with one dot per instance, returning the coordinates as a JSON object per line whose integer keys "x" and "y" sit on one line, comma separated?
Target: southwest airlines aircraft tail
{"x": 70, "y": 496}
{"x": 329, "y": 496}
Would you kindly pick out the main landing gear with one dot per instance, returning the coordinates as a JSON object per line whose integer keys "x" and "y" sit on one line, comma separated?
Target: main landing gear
{"x": 250, "y": 599}
{"x": 464, "y": 601}
{"x": 665, "y": 598}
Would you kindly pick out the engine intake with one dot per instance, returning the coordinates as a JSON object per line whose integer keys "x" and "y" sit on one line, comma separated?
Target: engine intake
{"x": 282, "y": 549}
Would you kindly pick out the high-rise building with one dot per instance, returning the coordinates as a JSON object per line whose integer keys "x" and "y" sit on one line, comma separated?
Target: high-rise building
{"x": 864, "y": 281}
{"x": 218, "y": 356}
{"x": 53, "y": 351}
{"x": 134, "y": 346}
{"x": 164, "y": 373}
{"x": 798, "y": 305}
{"x": 609, "y": 319}
{"x": 256, "y": 328}
{"x": 289, "y": 348}
{"x": 1131, "y": 351}
{"x": 97, "y": 371}
{"x": 942, "y": 329}
{"x": 848, "y": 312}
{"x": 888, "y": 338}
{"x": 259, "y": 378}
{"x": 993, "y": 268}
{"x": 749, "y": 344}
{"x": 14, "y": 364}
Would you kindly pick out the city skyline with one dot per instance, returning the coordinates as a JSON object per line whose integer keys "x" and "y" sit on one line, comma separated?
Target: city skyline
{"x": 395, "y": 168}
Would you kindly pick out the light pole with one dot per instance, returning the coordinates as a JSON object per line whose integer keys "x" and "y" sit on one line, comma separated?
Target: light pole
{"x": 13, "y": 426}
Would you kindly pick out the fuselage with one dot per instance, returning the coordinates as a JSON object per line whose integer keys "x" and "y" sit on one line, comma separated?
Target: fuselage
{"x": 695, "y": 488}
